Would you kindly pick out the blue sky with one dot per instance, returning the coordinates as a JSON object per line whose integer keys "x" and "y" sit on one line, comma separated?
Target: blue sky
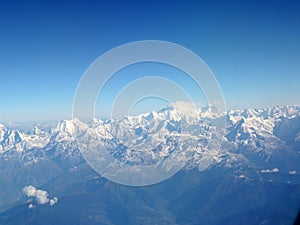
{"x": 252, "y": 47}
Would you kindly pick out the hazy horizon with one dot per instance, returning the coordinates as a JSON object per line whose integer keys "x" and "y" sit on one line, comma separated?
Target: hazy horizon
{"x": 54, "y": 122}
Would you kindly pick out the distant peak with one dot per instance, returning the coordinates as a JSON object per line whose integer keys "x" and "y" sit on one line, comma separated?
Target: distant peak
{"x": 2, "y": 127}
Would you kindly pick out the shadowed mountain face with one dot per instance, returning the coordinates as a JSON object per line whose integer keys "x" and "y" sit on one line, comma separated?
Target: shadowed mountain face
{"x": 253, "y": 179}
{"x": 190, "y": 197}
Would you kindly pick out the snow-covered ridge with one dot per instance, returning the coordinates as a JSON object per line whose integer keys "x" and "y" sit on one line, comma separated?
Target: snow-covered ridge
{"x": 13, "y": 139}
{"x": 254, "y": 128}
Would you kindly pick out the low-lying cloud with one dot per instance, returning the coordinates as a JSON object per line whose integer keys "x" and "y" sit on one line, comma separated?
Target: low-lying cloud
{"x": 40, "y": 196}
{"x": 275, "y": 170}
{"x": 53, "y": 201}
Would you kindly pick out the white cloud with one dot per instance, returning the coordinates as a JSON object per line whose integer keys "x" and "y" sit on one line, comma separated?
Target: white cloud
{"x": 30, "y": 191}
{"x": 186, "y": 108}
{"x": 40, "y": 196}
{"x": 292, "y": 172}
{"x": 275, "y": 170}
{"x": 31, "y": 206}
{"x": 53, "y": 201}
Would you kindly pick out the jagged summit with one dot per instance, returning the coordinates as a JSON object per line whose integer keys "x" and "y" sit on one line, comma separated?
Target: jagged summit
{"x": 253, "y": 129}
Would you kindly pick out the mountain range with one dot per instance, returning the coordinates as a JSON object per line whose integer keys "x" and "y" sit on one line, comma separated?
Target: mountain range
{"x": 241, "y": 167}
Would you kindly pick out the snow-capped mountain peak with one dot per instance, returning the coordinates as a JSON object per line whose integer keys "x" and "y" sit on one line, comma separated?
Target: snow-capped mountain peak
{"x": 253, "y": 130}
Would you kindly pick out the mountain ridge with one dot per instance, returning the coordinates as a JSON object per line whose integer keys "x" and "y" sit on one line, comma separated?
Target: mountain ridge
{"x": 244, "y": 173}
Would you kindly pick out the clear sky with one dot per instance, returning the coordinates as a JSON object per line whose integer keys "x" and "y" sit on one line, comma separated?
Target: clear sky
{"x": 253, "y": 48}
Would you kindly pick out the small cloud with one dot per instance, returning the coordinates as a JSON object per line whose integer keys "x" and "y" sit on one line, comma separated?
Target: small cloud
{"x": 275, "y": 170}
{"x": 30, "y": 191}
{"x": 31, "y": 206}
{"x": 40, "y": 196}
{"x": 186, "y": 108}
{"x": 53, "y": 201}
{"x": 292, "y": 172}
